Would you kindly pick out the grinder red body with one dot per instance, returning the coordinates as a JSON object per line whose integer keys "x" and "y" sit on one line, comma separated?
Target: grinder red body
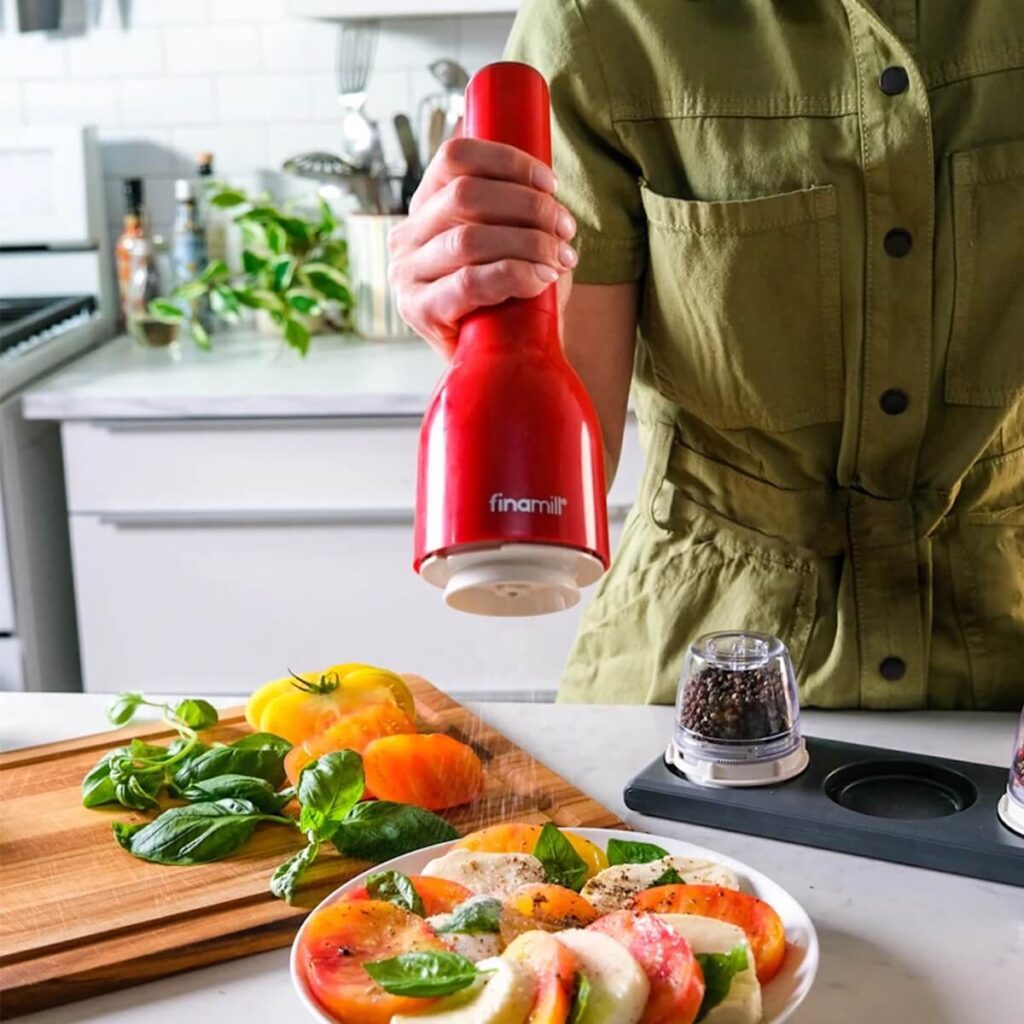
{"x": 511, "y": 515}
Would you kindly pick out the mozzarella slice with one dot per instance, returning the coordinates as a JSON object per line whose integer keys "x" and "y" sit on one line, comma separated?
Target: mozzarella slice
{"x": 478, "y": 946}
{"x": 490, "y": 874}
{"x": 707, "y": 935}
{"x": 615, "y": 887}
{"x": 504, "y": 996}
{"x": 619, "y": 986}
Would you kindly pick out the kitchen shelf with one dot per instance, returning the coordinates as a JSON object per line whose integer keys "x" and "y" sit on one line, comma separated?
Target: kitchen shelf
{"x": 362, "y": 9}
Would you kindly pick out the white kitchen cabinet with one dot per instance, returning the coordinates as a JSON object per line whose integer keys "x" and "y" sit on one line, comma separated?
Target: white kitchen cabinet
{"x": 211, "y": 555}
{"x": 354, "y": 9}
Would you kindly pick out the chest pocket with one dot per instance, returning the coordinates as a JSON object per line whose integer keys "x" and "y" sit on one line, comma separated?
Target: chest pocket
{"x": 742, "y": 307}
{"x": 985, "y": 366}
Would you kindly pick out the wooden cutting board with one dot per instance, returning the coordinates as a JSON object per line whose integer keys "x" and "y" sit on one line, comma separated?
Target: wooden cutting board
{"x": 79, "y": 916}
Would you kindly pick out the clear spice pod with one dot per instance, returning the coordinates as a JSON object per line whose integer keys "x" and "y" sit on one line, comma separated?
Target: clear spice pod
{"x": 1011, "y": 807}
{"x": 737, "y": 712}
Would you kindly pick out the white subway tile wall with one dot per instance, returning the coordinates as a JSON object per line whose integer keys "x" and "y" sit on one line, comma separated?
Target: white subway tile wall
{"x": 239, "y": 78}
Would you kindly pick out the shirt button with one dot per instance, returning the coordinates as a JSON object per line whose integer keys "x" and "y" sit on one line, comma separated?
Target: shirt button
{"x": 894, "y": 402}
{"x": 892, "y": 81}
{"x": 893, "y": 669}
{"x": 897, "y": 242}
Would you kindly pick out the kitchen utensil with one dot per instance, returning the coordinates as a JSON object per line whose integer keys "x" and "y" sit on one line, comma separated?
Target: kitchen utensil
{"x": 1011, "y": 804}
{"x": 413, "y": 168}
{"x": 511, "y": 517}
{"x": 375, "y": 312}
{"x": 357, "y": 43}
{"x": 737, "y": 712}
{"x": 931, "y": 812}
{"x": 435, "y": 133}
{"x": 328, "y": 167}
{"x": 450, "y": 74}
{"x": 781, "y": 996}
{"x": 105, "y": 921}
{"x": 39, "y": 15}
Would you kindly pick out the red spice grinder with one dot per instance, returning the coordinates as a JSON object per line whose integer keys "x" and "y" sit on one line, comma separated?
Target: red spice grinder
{"x": 511, "y": 515}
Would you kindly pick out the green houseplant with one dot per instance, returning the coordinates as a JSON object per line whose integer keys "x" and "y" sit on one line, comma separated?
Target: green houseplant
{"x": 293, "y": 268}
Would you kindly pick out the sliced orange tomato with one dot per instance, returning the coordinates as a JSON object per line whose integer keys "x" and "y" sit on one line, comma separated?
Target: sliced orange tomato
{"x": 353, "y": 731}
{"x": 340, "y": 938}
{"x": 553, "y": 905}
{"x": 677, "y": 983}
{"x": 554, "y": 966}
{"x": 763, "y": 927}
{"x": 439, "y": 895}
{"x": 430, "y": 770}
{"x": 522, "y": 838}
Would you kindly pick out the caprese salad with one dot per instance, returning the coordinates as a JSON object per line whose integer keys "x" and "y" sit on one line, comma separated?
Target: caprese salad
{"x": 524, "y": 924}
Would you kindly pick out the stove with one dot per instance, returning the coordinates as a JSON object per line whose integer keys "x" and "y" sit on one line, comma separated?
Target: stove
{"x": 57, "y": 300}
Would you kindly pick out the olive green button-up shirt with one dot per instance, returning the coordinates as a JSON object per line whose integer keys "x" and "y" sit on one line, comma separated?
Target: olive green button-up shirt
{"x": 824, "y": 201}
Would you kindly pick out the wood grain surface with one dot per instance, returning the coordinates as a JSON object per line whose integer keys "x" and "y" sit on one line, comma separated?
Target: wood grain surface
{"x": 79, "y": 916}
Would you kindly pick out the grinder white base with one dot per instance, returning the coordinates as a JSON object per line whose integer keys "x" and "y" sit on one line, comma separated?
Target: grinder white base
{"x": 512, "y": 579}
{"x": 739, "y": 774}
{"x": 1011, "y": 814}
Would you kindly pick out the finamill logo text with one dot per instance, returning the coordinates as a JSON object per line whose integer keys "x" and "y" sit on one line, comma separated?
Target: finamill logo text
{"x": 552, "y": 506}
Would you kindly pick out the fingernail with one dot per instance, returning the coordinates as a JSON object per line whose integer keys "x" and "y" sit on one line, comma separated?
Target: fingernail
{"x": 567, "y": 256}
{"x": 547, "y": 274}
{"x": 565, "y": 226}
{"x": 543, "y": 178}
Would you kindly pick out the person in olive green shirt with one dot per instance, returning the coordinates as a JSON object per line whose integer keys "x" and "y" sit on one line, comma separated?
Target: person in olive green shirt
{"x": 799, "y": 233}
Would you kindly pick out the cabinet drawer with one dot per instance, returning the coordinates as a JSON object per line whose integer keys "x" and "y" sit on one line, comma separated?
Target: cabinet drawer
{"x": 187, "y": 465}
{"x": 258, "y": 465}
{"x": 218, "y": 603}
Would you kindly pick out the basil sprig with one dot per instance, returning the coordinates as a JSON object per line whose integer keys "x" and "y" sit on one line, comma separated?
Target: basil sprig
{"x": 194, "y": 834}
{"x": 477, "y": 916}
{"x": 719, "y": 970}
{"x": 562, "y": 864}
{"x": 257, "y": 791}
{"x": 135, "y": 775}
{"x": 394, "y": 887}
{"x": 424, "y": 974}
{"x": 379, "y": 830}
{"x": 626, "y": 851}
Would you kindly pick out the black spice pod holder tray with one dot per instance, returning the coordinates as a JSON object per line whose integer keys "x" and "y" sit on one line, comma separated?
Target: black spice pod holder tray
{"x": 913, "y": 809}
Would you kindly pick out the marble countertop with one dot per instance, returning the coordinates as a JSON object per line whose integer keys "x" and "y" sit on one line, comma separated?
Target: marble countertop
{"x": 246, "y": 374}
{"x": 899, "y": 945}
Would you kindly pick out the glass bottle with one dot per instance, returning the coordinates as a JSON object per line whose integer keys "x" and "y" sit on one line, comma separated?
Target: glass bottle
{"x": 133, "y": 228}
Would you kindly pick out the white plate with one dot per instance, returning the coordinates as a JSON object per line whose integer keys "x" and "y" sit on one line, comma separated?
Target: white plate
{"x": 782, "y": 995}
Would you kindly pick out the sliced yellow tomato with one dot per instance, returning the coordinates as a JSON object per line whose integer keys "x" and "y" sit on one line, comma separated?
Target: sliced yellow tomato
{"x": 264, "y": 694}
{"x": 522, "y": 838}
{"x": 369, "y": 676}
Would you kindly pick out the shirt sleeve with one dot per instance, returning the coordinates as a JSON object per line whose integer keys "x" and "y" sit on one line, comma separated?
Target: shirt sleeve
{"x": 598, "y": 182}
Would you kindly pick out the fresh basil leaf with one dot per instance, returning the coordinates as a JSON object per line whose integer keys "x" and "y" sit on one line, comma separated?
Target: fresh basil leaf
{"x": 328, "y": 789}
{"x": 263, "y": 741}
{"x": 669, "y": 877}
{"x": 139, "y": 792}
{"x": 719, "y": 970}
{"x": 285, "y": 881}
{"x": 196, "y": 714}
{"x": 423, "y": 974}
{"x": 625, "y": 851}
{"x": 260, "y": 755}
{"x": 260, "y": 793}
{"x": 562, "y": 864}
{"x": 581, "y": 999}
{"x": 194, "y": 834}
{"x": 97, "y": 786}
{"x": 123, "y": 708}
{"x": 379, "y": 830}
{"x": 477, "y": 916}
{"x": 394, "y": 887}
{"x": 138, "y": 750}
